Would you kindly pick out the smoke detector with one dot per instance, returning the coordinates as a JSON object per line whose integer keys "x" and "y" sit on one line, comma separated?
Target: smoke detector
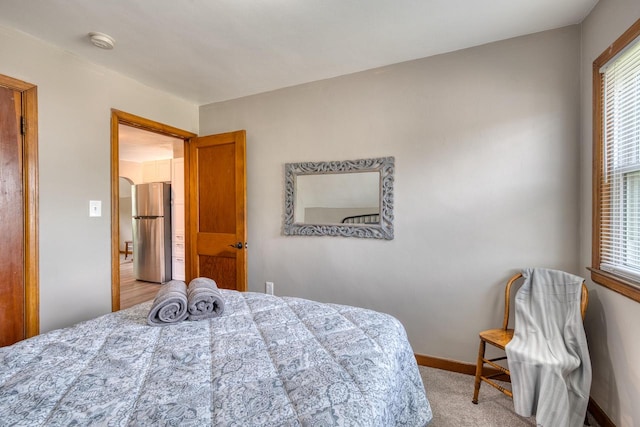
{"x": 101, "y": 40}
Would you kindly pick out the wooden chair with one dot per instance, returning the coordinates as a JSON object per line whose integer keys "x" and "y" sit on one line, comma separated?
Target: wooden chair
{"x": 500, "y": 338}
{"x": 128, "y": 248}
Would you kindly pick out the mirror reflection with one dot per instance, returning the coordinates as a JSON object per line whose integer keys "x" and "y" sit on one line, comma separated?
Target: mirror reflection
{"x": 350, "y": 198}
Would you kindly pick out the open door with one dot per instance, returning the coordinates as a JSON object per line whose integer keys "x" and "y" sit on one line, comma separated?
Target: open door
{"x": 216, "y": 209}
{"x": 12, "y": 304}
{"x": 19, "y": 290}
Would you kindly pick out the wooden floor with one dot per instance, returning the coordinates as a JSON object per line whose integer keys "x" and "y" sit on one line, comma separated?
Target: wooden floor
{"x": 133, "y": 291}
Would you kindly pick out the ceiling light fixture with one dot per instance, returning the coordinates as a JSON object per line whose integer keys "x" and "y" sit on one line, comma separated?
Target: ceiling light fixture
{"x": 101, "y": 40}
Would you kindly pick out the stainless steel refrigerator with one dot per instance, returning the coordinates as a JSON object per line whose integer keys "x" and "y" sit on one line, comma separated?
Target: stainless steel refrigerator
{"x": 151, "y": 210}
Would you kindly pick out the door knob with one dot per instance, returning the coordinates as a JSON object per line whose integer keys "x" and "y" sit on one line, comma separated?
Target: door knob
{"x": 237, "y": 245}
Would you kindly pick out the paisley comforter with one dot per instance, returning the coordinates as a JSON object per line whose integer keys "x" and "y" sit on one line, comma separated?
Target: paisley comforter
{"x": 267, "y": 361}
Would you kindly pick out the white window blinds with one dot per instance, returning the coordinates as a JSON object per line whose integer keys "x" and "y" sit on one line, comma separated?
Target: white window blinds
{"x": 620, "y": 186}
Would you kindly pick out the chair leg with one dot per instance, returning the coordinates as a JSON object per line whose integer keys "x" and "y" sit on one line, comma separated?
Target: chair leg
{"x": 479, "y": 367}
{"x": 128, "y": 249}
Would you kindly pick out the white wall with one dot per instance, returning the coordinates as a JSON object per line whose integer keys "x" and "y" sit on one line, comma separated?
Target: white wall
{"x": 130, "y": 173}
{"x": 125, "y": 211}
{"x": 131, "y": 170}
{"x": 485, "y": 142}
{"x": 612, "y": 320}
{"x": 74, "y": 102}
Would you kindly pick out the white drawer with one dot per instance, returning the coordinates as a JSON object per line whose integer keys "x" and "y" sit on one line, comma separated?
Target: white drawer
{"x": 177, "y": 271}
{"x": 177, "y": 219}
{"x": 178, "y": 248}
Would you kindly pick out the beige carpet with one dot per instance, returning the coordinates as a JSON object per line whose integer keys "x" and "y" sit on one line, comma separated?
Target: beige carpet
{"x": 450, "y": 395}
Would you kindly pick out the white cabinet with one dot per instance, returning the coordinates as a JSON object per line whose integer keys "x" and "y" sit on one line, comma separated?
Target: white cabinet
{"x": 177, "y": 268}
{"x": 156, "y": 171}
{"x": 177, "y": 258}
{"x": 177, "y": 180}
{"x": 177, "y": 219}
{"x": 177, "y": 199}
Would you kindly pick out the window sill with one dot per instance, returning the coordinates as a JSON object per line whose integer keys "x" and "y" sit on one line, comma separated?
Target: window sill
{"x": 616, "y": 283}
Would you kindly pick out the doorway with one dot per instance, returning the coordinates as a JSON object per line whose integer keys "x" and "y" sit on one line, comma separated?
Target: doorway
{"x": 123, "y": 124}
{"x": 132, "y": 291}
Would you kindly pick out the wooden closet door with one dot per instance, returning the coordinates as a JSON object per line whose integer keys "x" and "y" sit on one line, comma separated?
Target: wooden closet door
{"x": 12, "y": 289}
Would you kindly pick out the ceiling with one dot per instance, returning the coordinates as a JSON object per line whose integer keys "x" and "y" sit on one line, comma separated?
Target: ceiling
{"x": 137, "y": 145}
{"x": 213, "y": 50}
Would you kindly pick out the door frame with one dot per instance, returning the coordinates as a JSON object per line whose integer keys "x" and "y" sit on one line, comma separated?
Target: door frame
{"x": 30, "y": 194}
{"x": 120, "y": 117}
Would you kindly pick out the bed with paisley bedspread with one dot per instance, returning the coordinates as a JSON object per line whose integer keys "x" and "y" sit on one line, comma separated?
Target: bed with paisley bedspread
{"x": 267, "y": 361}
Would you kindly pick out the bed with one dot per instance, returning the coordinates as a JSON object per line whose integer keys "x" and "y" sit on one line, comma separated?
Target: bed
{"x": 266, "y": 361}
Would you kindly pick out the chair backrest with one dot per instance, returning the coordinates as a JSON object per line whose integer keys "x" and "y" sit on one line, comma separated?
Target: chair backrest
{"x": 584, "y": 300}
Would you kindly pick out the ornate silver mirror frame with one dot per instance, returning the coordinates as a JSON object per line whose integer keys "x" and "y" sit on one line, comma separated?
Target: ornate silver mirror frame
{"x": 383, "y": 229}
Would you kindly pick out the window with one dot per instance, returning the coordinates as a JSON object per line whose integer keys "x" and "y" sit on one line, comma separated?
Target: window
{"x": 616, "y": 213}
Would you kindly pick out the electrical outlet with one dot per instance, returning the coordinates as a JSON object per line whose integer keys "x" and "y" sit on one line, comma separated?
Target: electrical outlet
{"x": 268, "y": 288}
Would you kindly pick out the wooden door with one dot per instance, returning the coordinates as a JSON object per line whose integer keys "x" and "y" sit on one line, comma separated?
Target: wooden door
{"x": 12, "y": 287}
{"x": 216, "y": 220}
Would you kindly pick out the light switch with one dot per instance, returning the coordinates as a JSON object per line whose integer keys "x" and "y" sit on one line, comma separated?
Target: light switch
{"x": 95, "y": 208}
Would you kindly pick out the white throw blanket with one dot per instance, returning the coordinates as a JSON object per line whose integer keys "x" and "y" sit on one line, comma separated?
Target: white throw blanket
{"x": 548, "y": 356}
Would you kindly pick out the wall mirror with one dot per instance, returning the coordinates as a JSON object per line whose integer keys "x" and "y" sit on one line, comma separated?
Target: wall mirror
{"x": 352, "y": 198}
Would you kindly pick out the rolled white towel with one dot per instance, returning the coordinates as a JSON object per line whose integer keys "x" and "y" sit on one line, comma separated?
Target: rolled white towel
{"x": 169, "y": 305}
{"x": 205, "y": 299}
